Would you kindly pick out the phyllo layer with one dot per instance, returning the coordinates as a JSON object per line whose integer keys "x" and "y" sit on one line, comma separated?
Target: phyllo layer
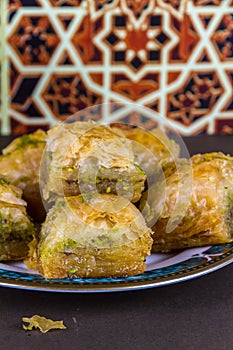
{"x": 153, "y": 148}
{"x": 20, "y": 164}
{"x": 85, "y": 157}
{"x": 16, "y": 228}
{"x": 208, "y": 219}
{"x": 101, "y": 236}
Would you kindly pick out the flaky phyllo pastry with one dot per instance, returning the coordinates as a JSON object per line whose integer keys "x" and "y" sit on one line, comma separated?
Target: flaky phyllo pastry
{"x": 208, "y": 218}
{"x": 113, "y": 195}
{"x": 101, "y": 236}
{"x": 16, "y": 229}
{"x": 85, "y": 157}
{"x": 152, "y": 148}
{"x": 20, "y": 164}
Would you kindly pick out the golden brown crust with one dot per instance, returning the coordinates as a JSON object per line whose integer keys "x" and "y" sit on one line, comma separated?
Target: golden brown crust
{"x": 20, "y": 164}
{"x": 86, "y": 157}
{"x": 16, "y": 229}
{"x": 208, "y": 218}
{"x": 93, "y": 238}
{"x": 153, "y": 148}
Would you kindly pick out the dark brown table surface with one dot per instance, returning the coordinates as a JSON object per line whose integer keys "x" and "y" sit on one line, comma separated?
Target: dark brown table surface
{"x": 196, "y": 314}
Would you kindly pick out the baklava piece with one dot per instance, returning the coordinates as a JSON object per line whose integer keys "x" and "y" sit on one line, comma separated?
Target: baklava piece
{"x": 208, "y": 219}
{"x": 102, "y": 236}
{"x": 16, "y": 228}
{"x": 85, "y": 157}
{"x": 20, "y": 164}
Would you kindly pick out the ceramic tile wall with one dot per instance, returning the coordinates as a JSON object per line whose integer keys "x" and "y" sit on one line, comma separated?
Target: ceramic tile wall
{"x": 174, "y": 57}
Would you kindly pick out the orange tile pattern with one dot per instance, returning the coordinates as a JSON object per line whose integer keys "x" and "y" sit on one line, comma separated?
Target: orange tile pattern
{"x": 173, "y": 57}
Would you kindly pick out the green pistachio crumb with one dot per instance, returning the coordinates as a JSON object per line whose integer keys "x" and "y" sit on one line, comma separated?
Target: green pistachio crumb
{"x": 24, "y": 179}
{"x": 26, "y": 140}
{"x": 86, "y": 197}
{"x": 4, "y": 181}
{"x": 61, "y": 204}
{"x": 187, "y": 218}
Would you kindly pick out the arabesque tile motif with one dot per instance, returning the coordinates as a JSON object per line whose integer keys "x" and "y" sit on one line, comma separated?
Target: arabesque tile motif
{"x": 174, "y": 57}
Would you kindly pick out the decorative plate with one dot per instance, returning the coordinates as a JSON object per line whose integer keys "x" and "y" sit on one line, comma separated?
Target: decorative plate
{"x": 162, "y": 269}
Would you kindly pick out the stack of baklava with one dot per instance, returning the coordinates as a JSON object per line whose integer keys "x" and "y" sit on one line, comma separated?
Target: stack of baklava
{"x": 113, "y": 195}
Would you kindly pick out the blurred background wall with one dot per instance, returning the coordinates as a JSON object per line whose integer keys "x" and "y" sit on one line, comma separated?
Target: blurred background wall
{"x": 174, "y": 57}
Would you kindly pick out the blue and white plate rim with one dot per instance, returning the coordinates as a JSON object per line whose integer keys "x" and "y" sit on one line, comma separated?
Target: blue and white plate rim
{"x": 161, "y": 270}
